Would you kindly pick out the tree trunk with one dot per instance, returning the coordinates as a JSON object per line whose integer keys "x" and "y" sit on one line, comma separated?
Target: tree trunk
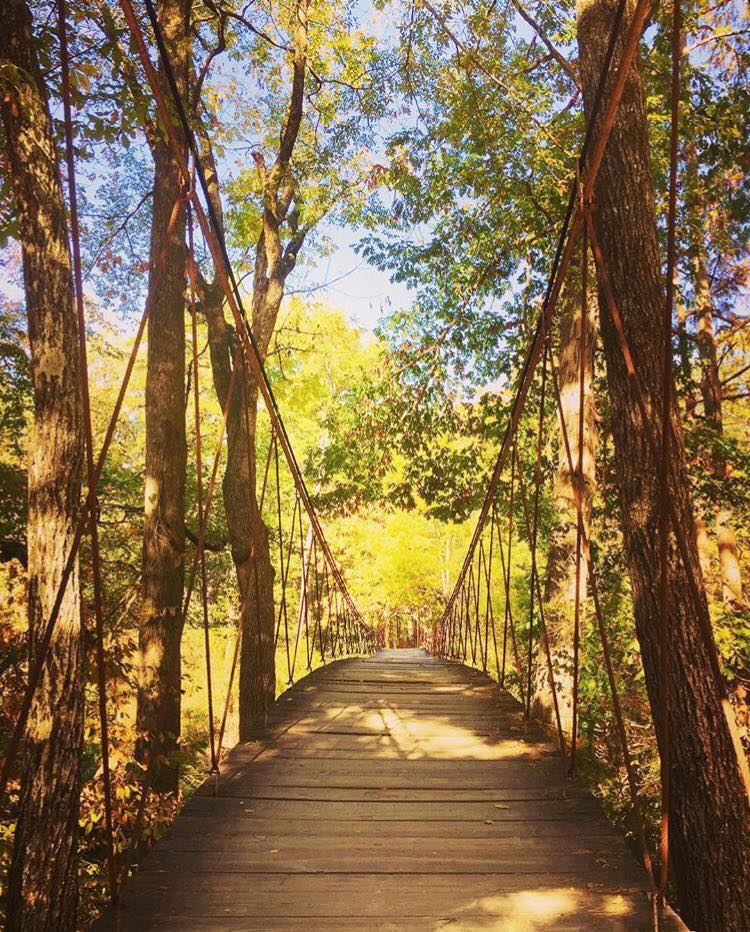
{"x": 248, "y": 534}
{"x": 729, "y": 561}
{"x": 274, "y": 260}
{"x": 708, "y": 800}
{"x": 703, "y": 545}
{"x": 305, "y": 626}
{"x": 684, "y": 354}
{"x": 710, "y": 386}
{"x": 255, "y": 573}
{"x": 43, "y": 880}
{"x": 706, "y": 338}
{"x": 560, "y": 577}
{"x": 159, "y": 685}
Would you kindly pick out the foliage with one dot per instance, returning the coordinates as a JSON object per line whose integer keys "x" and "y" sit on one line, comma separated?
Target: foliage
{"x": 448, "y": 149}
{"x": 15, "y": 410}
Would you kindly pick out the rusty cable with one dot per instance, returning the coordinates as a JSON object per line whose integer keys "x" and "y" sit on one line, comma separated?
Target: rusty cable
{"x": 535, "y": 527}
{"x": 91, "y": 477}
{"x": 199, "y": 491}
{"x": 217, "y": 247}
{"x": 604, "y": 638}
{"x": 579, "y": 477}
{"x": 542, "y": 624}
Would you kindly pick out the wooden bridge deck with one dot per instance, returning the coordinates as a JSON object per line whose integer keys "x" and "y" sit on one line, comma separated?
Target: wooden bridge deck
{"x": 398, "y": 792}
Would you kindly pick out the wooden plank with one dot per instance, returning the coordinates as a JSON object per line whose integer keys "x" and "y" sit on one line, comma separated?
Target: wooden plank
{"x": 242, "y": 809}
{"x": 398, "y": 688}
{"x": 397, "y": 774}
{"x": 407, "y": 794}
{"x": 414, "y": 771}
{"x": 541, "y": 901}
{"x": 591, "y": 922}
{"x": 432, "y": 744}
{"x": 579, "y": 826}
{"x": 259, "y": 853}
{"x": 286, "y": 857}
{"x": 385, "y": 752}
{"x": 373, "y": 724}
{"x": 459, "y": 704}
{"x": 482, "y": 783}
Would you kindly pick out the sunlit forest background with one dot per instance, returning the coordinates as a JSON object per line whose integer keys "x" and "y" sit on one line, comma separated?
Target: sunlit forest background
{"x": 432, "y": 166}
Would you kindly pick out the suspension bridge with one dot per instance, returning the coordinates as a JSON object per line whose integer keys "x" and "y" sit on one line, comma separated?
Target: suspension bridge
{"x": 392, "y": 788}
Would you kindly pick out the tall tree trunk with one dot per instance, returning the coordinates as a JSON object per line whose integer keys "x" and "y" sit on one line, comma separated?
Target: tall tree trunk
{"x": 248, "y": 534}
{"x": 708, "y": 800}
{"x": 274, "y": 260}
{"x": 710, "y": 386}
{"x": 729, "y": 561}
{"x": 255, "y": 574}
{"x": 703, "y": 545}
{"x": 684, "y": 353}
{"x": 43, "y": 881}
{"x": 560, "y": 577}
{"x": 159, "y": 684}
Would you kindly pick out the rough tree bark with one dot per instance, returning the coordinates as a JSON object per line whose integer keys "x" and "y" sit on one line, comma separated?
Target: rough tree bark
{"x": 708, "y": 800}
{"x": 159, "y": 682}
{"x": 248, "y": 534}
{"x": 43, "y": 882}
{"x": 560, "y": 575}
{"x": 277, "y": 248}
{"x": 274, "y": 260}
{"x": 710, "y": 385}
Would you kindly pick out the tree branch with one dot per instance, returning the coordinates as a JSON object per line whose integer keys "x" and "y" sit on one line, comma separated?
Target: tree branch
{"x": 461, "y": 47}
{"x": 221, "y": 44}
{"x": 213, "y": 546}
{"x": 120, "y": 227}
{"x": 291, "y": 127}
{"x": 557, "y": 55}
{"x": 735, "y": 375}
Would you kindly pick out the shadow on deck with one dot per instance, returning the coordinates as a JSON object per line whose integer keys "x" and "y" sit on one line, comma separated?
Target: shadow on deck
{"x": 398, "y": 792}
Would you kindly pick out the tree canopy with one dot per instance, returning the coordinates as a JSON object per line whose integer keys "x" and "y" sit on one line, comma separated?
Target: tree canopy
{"x": 439, "y": 141}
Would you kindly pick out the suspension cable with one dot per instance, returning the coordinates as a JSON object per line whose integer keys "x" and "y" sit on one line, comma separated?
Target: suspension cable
{"x": 542, "y": 623}
{"x": 666, "y": 414}
{"x": 199, "y": 489}
{"x": 599, "y": 615}
{"x": 91, "y": 477}
{"x": 284, "y": 571}
{"x": 35, "y": 672}
{"x": 582, "y": 353}
{"x": 535, "y": 525}
{"x": 508, "y": 607}
{"x": 510, "y": 628}
{"x": 212, "y": 482}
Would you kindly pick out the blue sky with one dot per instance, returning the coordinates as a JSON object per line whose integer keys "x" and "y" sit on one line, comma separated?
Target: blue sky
{"x": 345, "y": 281}
{"x": 342, "y": 279}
